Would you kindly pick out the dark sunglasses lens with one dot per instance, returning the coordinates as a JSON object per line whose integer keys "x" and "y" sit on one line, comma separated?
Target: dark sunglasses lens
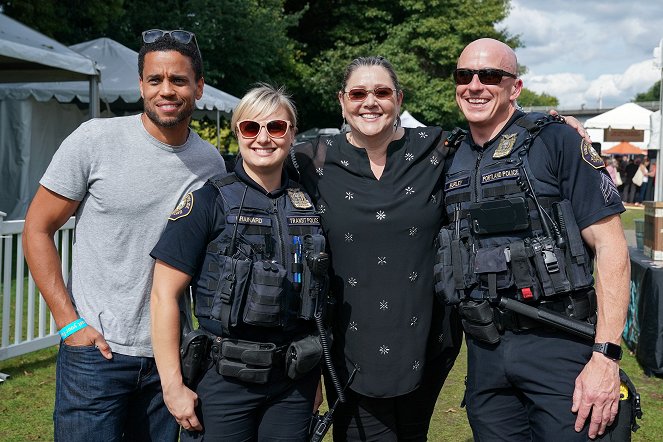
{"x": 463, "y": 76}
{"x": 277, "y": 128}
{"x": 357, "y": 94}
{"x": 249, "y": 129}
{"x": 152, "y": 35}
{"x": 383, "y": 92}
{"x": 182, "y": 36}
{"x": 490, "y": 76}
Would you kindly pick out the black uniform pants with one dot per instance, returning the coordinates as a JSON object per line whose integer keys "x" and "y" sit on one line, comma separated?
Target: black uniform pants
{"x": 232, "y": 411}
{"x": 400, "y": 418}
{"x": 521, "y": 389}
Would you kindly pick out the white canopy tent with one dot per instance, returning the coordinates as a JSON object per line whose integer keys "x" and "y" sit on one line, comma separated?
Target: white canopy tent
{"x": 36, "y": 117}
{"x": 27, "y": 55}
{"x": 119, "y": 80}
{"x": 626, "y": 116}
{"x": 407, "y": 120}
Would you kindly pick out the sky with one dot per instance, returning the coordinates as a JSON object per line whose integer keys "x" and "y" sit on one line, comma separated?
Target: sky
{"x": 588, "y": 53}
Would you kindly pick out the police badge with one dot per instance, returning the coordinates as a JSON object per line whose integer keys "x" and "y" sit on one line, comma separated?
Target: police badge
{"x": 505, "y": 146}
{"x": 183, "y": 208}
{"x": 299, "y": 199}
{"x": 590, "y": 155}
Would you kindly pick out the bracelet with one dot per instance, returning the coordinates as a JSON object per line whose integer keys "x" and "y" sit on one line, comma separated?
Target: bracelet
{"x": 72, "y": 328}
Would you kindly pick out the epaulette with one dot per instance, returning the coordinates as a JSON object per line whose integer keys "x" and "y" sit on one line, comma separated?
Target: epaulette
{"x": 535, "y": 121}
{"x": 223, "y": 180}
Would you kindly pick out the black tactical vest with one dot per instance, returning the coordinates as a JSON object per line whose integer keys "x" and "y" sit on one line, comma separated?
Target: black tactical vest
{"x": 497, "y": 243}
{"x": 255, "y": 273}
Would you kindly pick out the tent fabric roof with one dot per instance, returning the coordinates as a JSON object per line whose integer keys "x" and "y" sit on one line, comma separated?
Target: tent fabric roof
{"x": 119, "y": 79}
{"x": 407, "y": 120}
{"x": 626, "y": 116}
{"x": 624, "y": 148}
{"x": 27, "y": 55}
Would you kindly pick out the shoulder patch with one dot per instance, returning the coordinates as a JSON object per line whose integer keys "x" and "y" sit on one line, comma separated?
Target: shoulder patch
{"x": 298, "y": 198}
{"x": 183, "y": 208}
{"x": 590, "y": 155}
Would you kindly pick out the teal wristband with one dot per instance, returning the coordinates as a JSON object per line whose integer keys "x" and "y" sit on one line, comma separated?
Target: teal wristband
{"x": 72, "y": 328}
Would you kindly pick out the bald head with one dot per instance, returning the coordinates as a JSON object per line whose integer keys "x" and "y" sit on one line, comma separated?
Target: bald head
{"x": 487, "y": 106}
{"x": 488, "y": 51}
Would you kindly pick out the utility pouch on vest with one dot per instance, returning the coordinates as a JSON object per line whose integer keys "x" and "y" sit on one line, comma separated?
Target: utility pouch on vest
{"x": 443, "y": 270}
{"x": 579, "y": 264}
{"x": 315, "y": 278}
{"x": 499, "y": 216}
{"x": 550, "y": 265}
{"x": 493, "y": 273}
{"x": 266, "y": 295}
{"x": 303, "y": 356}
{"x": 524, "y": 271}
{"x": 193, "y": 354}
{"x": 246, "y": 361}
{"x": 477, "y": 319}
{"x": 229, "y": 290}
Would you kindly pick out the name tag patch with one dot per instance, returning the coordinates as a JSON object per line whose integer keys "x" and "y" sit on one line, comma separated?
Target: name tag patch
{"x": 500, "y": 175}
{"x": 457, "y": 184}
{"x": 304, "y": 220}
{"x": 183, "y": 208}
{"x": 250, "y": 220}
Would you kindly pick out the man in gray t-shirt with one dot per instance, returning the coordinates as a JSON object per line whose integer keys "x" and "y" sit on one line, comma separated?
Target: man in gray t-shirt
{"x": 121, "y": 177}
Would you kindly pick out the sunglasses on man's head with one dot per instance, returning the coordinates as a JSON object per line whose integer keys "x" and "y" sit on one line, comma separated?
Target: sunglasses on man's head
{"x": 359, "y": 94}
{"x": 178, "y": 35}
{"x": 275, "y": 128}
{"x": 486, "y": 76}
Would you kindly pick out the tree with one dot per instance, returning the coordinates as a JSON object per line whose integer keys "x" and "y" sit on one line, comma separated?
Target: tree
{"x": 422, "y": 39}
{"x": 242, "y": 42}
{"x": 530, "y": 98}
{"x": 653, "y": 94}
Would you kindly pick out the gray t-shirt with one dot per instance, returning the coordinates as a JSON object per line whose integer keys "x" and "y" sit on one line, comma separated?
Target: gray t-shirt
{"x": 128, "y": 183}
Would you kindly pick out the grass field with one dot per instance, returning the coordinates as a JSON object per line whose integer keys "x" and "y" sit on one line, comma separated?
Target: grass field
{"x": 26, "y": 399}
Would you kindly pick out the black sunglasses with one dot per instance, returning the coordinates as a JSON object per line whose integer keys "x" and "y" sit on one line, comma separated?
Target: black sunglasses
{"x": 486, "y": 76}
{"x": 178, "y": 35}
{"x": 275, "y": 128}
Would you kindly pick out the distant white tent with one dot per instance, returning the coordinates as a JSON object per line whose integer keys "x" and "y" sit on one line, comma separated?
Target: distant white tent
{"x": 407, "y": 120}
{"x": 626, "y": 116}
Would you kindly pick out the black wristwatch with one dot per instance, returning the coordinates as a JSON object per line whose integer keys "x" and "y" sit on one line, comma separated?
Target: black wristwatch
{"x": 610, "y": 350}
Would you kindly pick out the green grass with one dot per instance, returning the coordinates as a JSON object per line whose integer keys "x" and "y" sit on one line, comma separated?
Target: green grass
{"x": 26, "y": 401}
{"x": 630, "y": 215}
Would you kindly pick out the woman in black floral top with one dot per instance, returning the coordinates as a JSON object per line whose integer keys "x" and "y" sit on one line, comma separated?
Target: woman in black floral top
{"x": 378, "y": 189}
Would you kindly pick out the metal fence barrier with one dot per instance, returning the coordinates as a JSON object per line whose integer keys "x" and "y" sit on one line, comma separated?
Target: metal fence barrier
{"x": 26, "y": 323}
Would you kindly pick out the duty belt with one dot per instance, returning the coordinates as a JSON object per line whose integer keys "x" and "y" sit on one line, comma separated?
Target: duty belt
{"x": 578, "y": 307}
{"x": 245, "y": 360}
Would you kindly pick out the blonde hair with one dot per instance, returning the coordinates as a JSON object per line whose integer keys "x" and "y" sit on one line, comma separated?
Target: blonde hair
{"x": 264, "y": 99}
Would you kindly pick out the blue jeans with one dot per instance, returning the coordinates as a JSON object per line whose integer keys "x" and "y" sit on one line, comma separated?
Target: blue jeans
{"x": 116, "y": 400}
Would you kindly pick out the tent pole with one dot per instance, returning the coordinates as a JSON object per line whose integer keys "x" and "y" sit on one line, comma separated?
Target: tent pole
{"x": 658, "y": 179}
{"x": 94, "y": 96}
{"x": 218, "y": 130}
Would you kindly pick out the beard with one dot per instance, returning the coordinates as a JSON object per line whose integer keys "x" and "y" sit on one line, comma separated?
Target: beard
{"x": 183, "y": 115}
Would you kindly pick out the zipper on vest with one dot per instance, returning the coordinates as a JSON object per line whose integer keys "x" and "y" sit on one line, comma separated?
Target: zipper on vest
{"x": 279, "y": 230}
{"x": 477, "y": 176}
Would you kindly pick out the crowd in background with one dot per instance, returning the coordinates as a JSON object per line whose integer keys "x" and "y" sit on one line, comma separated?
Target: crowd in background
{"x": 633, "y": 176}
